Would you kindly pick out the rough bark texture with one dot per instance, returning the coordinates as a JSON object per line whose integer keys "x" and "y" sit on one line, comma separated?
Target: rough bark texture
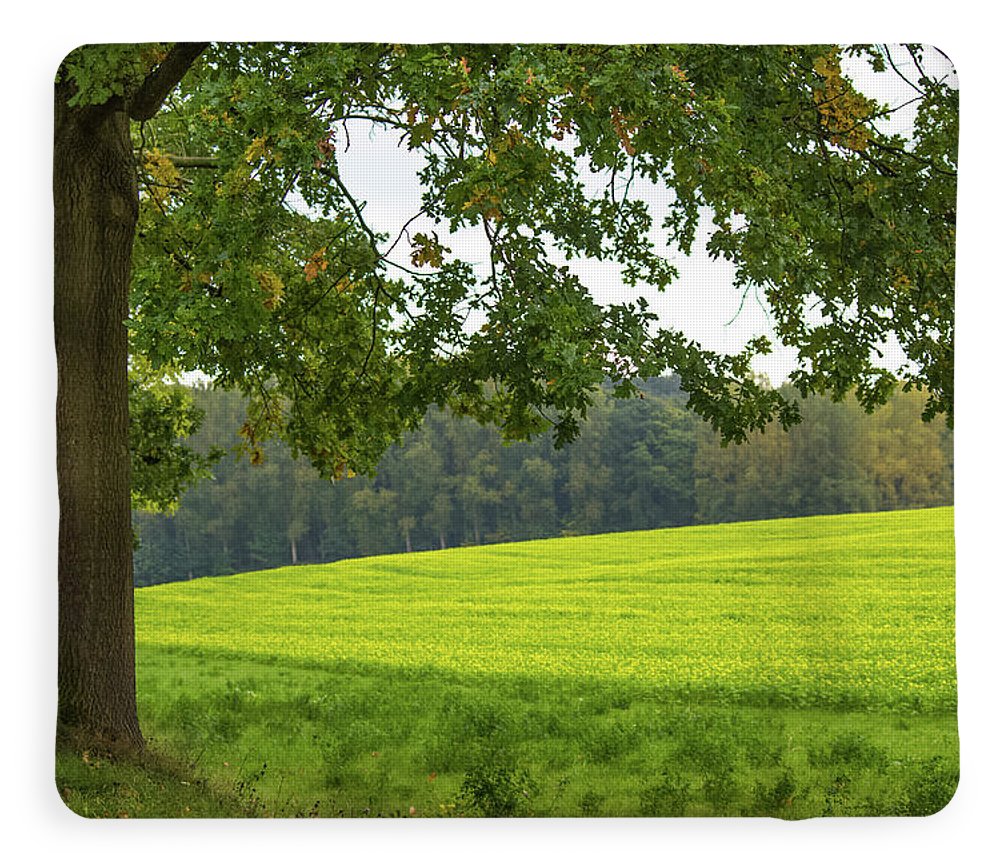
{"x": 96, "y": 205}
{"x": 96, "y": 209}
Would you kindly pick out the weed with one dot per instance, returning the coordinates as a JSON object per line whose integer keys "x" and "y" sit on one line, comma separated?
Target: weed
{"x": 496, "y": 790}
{"x": 247, "y": 793}
{"x": 590, "y": 804}
{"x": 837, "y": 797}
{"x": 670, "y": 796}
{"x": 605, "y": 743}
{"x": 771, "y": 799}
{"x": 710, "y": 753}
{"x": 466, "y": 728}
{"x": 719, "y": 789}
{"x": 850, "y": 749}
{"x": 932, "y": 789}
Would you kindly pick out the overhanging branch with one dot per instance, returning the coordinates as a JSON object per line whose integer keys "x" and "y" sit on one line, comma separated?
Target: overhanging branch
{"x": 158, "y": 84}
{"x": 193, "y": 161}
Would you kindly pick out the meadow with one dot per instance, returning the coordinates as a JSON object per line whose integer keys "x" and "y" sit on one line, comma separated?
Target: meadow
{"x": 791, "y": 668}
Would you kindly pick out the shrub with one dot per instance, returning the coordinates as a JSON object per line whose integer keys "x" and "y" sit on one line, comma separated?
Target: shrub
{"x": 670, "y": 795}
{"x": 850, "y": 749}
{"x": 496, "y": 790}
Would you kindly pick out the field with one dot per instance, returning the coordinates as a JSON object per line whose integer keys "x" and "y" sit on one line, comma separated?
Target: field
{"x": 792, "y": 668}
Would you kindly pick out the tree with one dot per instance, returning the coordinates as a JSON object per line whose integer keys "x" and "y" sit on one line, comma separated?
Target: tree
{"x": 175, "y": 167}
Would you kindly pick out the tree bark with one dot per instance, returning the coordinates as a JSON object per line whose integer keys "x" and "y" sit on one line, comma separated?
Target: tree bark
{"x": 96, "y": 202}
{"x": 96, "y": 208}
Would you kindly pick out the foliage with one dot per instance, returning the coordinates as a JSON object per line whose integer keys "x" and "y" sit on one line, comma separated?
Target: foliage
{"x": 299, "y": 305}
{"x": 103, "y": 72}
{"x": 492, "y": 789}
{"x": 670, "y": 795}
{"x": 161, "y": 417}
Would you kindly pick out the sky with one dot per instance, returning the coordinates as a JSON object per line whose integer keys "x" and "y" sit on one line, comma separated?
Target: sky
{"x": 702, "y": 302}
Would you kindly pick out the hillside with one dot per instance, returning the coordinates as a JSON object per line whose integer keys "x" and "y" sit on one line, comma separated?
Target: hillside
{"x": 823, "y": 610}
{"x": 790, "y": 667}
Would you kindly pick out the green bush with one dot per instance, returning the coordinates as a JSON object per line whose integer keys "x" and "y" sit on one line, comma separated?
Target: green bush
{"x": 496, "y": 790}
{"x": 670, "y": 796}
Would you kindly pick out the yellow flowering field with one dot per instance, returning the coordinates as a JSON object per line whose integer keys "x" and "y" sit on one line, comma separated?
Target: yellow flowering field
{"x": 849, "y": 611}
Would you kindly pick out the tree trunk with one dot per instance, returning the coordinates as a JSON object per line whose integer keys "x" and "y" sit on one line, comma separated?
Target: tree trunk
{"x": 96, "y": 207}
{"x": 295, "y": 553}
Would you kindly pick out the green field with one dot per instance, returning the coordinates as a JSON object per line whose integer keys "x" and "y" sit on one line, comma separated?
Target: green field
{"x": 792, "y": 668}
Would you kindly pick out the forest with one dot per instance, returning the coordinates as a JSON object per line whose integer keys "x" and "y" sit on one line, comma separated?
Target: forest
{"x": 638, "y": 464}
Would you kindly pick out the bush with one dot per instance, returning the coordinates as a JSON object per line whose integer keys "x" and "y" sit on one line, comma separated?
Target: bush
{"x": 932, "y": 790}
{"x": 496, "y": 790}
{"x": 850, "y": 749}
{"x": 670, "y": 795}
{"x": 771, "y": 799}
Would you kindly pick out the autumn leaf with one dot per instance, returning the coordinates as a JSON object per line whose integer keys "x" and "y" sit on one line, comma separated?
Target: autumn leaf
{"x": 256, "y": 149}
{"x": 272, "y": 287}
{"x": 624, "y": 129}
{"x": 315, "y": 264}
{"x": 428, "y": 251}
{"x": 165, "y": 179}
{"x": 843, "y": 111}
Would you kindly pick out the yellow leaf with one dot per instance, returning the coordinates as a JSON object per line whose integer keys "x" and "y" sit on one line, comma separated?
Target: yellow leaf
{"x": 272, "y": 287}
{"x": 256, "y": 149}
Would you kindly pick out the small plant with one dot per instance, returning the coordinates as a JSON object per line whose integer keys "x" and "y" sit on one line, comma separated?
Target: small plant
{"x": 247, "y": 793}
{"x": 494, "y": 789}
{"x": 837, "y": 798}
{"x": 710, "y": 752}
{"x": 932, "y": 789}
{"x": 850, "y": 749}
{"x": 771, "y": 799}
{"x": 590, "y": 804}
{"x": 603, "y": 744}
{"x": 334, "y": 755}
{"x": 719, "y": 789}
{"x": 670, "y": 796}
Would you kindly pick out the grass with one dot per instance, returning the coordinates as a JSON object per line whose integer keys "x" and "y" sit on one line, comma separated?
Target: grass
{"x": 791, "y": 667}
{"x": 98, "y": 785}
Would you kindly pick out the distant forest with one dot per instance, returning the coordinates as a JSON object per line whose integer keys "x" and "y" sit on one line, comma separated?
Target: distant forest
{"x": 638, "y": 464}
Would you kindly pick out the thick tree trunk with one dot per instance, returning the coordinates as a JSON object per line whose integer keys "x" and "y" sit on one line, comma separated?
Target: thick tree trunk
{"x": 96, "y": 207}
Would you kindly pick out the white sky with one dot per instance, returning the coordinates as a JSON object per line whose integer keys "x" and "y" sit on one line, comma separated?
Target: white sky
{"x": 702, "y": 302}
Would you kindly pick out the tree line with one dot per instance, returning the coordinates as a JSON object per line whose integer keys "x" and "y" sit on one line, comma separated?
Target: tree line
{"x": 638, "y": 464}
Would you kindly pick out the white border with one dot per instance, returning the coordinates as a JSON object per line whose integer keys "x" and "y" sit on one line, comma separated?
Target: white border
{"x": 35, "y": 820}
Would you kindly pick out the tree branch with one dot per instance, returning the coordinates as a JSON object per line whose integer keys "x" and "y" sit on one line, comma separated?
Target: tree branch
{"x": 158, "y": 84}
{"x": 193, "y": 161}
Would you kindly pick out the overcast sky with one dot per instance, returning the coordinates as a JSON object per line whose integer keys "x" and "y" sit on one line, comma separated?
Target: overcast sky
{"x": 702, "y": 302}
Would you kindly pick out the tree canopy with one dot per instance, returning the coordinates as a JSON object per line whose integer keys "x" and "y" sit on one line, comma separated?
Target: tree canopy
{"x": 224, "y": 225}
{"x": 262, "y": 272}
